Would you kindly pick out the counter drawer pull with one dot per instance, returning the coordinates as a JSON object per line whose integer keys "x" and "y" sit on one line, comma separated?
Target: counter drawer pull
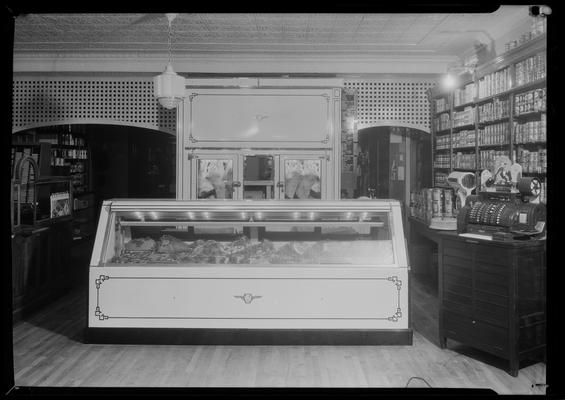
{"x": 247, "y": 297}
{"x": 473, "y": 322}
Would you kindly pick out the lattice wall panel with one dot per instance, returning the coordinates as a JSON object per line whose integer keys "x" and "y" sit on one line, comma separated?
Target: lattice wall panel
{"x": 95, "y": 100}
{"x": 403, "y": 101}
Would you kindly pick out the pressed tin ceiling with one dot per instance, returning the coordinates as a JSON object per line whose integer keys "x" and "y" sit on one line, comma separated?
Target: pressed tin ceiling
{"x": 357, "y": 34}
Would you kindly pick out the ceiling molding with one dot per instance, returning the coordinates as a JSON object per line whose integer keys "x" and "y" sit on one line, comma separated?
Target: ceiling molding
{"x": 231, "y": 63}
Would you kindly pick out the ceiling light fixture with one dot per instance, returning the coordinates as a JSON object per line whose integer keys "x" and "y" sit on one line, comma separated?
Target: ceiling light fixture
{"x": 169, "y": 87}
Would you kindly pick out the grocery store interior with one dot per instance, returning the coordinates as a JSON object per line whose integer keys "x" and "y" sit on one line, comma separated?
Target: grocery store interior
{"x": 256, "y": 200}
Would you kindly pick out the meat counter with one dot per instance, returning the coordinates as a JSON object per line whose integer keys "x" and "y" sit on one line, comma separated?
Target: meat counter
{"x": 301, "y": 271}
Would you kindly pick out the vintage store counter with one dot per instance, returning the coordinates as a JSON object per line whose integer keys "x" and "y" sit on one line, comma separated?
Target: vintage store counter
{"x": 249, "y": 272}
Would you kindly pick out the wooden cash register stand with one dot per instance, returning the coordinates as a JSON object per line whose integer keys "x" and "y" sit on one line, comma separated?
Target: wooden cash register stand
{"x": 492, "y": 296}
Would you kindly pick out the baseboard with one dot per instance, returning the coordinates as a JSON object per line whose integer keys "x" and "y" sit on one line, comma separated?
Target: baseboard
{"x": 401, "y": 337}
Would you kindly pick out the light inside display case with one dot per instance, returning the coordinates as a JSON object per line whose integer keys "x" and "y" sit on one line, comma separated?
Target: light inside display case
{"x": 240, "y": 235}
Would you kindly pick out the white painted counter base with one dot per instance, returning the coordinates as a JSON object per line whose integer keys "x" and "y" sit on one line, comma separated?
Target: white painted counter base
{"x": 277, "y": 297}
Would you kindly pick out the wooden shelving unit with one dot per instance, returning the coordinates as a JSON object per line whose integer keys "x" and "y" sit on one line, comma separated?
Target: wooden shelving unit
{"x": 63, "y": 151}
{"x": 521, "y": 132}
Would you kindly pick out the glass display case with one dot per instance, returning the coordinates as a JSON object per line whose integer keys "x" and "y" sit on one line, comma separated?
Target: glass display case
{"x": 249, "y": 264}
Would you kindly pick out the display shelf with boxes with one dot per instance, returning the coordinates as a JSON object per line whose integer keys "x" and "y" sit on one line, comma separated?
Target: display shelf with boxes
{"x": 507, "y": 114}
{"x": 61, "y": 150}
{"x": 254, "y": 265}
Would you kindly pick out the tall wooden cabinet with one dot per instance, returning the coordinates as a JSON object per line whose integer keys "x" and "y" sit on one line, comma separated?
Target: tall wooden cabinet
{"x": 499, "y": 109}
{"x": 492, "y": 296}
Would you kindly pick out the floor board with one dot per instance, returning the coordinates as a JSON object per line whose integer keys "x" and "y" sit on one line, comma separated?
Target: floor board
{"x": 48, "y": 351}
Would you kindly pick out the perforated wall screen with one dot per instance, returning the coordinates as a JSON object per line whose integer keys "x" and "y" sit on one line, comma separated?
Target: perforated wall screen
{"x": 108, "y": 100}
{"x": 388, "y": 101}
{"x": 130, "y": 101}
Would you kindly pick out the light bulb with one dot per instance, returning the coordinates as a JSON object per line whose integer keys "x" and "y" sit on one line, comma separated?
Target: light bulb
{"x": 449, "y": 82}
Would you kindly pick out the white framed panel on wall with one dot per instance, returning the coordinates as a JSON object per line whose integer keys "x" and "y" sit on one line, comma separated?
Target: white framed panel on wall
{"x": 259, "y": 117}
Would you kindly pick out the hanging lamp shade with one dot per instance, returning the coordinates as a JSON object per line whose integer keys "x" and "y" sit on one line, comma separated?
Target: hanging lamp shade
{"x": 169, "y": 88}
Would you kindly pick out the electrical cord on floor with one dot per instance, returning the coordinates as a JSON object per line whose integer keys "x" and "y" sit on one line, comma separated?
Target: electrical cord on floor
{"x": 417, "y": 377}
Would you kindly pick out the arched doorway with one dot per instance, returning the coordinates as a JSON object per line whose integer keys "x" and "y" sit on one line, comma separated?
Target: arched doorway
{"x": 119, "y": 161}
{"x": 394, "y": 161}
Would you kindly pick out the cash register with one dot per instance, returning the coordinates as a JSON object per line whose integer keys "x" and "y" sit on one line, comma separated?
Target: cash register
{"x": 506, "y": 207}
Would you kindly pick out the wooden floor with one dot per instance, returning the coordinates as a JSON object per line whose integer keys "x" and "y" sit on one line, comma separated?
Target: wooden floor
{"x": 48, "y": 351}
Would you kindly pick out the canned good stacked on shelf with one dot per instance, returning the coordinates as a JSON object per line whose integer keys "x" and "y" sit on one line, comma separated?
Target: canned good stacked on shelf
{"x": 465, "y": 138}
{"x": 531, "y": 69}
{"x": 530, "y": 131}
{"x": 442, "y": 122}
{"x": 442, "y": 161}
{"x": 442, "y": 142}
{"x": 532, "y": 161}
{"x": 464, "y": 95}
{"x": 531, "y": 101}
{"x": 495, "y": 110}
{"x": 429, "y": 203}
{"x": 487, "y": 158}
{"x": 463, "y": 161}
{"x": 494, "y": 83}
{"x": 538, "y": 28}
{"x": 464, "y": 118}
{"x": 441, "y": 105}
{"x": 440, "y": 178}
{"x": 497, "y": 134}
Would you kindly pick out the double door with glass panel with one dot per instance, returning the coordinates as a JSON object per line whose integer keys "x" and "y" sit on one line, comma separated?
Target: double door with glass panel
{"x": 247, "y": 175}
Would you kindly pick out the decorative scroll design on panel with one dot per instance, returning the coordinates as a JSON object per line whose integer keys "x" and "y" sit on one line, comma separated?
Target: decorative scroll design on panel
{"x": 247, "y": 297}
{"x": 98, "y": 282}
{"x": 398, "y": 283}
{"x": 98, "y": 100}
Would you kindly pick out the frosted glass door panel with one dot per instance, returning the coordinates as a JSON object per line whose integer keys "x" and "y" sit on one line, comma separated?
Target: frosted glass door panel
{"x": 214, "y": 178}
{"x": 302, "y": 178}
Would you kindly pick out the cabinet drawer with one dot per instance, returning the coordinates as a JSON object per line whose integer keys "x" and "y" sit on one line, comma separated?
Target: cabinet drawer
{"x": 499, "y": 270}
{"x": 491, "y": 283}
{"x": 462, "y": 270}
{"x": 452, "y": 279}
{"x": 457, "y": 244}
{"x": 459, "y": 252}
{"x": 475, "y": 333}
{"x": 491, "y": 313}
{"x": 492, "y": 254}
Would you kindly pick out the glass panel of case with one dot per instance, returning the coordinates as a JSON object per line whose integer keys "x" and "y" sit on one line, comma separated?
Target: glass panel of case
{"x": 258, "y": 177}
{"x": 240, "y": 237}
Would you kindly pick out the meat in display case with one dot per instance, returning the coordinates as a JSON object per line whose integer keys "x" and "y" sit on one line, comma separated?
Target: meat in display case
{"x": 254, "y": 265}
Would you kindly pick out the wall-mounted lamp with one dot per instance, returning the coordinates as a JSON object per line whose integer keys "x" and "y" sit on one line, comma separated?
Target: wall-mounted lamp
{"x": 169, "y": 87}
{"x": 451, "y": 79}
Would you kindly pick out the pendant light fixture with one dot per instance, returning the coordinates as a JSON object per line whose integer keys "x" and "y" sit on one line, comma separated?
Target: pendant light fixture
{"x": 169, "y": 87}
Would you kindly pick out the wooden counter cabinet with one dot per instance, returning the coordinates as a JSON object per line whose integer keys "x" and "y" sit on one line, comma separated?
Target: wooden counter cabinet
{"x": 492, "y": 296}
